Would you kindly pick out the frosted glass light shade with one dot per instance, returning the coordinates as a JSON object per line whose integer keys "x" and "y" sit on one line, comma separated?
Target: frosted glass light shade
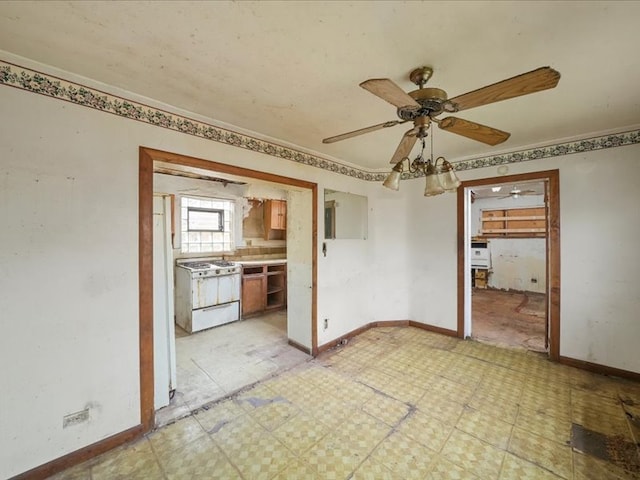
{"x": 432, "y": 186}
{"x": 393, "y": 180}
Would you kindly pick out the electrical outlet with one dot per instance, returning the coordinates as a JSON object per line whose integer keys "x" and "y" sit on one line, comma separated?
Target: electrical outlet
{"x": 534, "y": 280}
{"x": 75, "y": 418}
{"x": 326, "y": 323}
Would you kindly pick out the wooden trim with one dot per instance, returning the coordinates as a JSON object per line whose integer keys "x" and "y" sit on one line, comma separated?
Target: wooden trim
{"x": 553, "y": 248}
{"x": 553, "y": 264}
{"x": 79, "y": 456}
{"x": 346, "y": 336}
{"x": 461, "y": 258}
{"x": 433, "y": 328}
{"x": 385, "y": 323}
{"x": 524, "y": 217}
{"x": 390, "y": 323}
{"x": 176, "y": 158}
{"x": 299, "y": 346}
{"x": 147, "y": 157}
{"x": 314, "y": 270}
{"x": 600, "y": 369}
{"x": 145, "y": 279}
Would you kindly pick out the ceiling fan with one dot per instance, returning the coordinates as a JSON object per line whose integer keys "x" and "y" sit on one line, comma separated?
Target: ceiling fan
{"x": 515, "y": 192}
{"x": 422, "y": 106}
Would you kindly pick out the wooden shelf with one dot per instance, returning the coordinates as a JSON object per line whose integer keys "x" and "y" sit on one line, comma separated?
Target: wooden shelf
{"x": 516, "y": 223}
{"x": 264, "y": 287}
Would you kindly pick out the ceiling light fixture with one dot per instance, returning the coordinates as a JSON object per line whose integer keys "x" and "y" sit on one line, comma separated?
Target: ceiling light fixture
{"x": 439, "y": 173}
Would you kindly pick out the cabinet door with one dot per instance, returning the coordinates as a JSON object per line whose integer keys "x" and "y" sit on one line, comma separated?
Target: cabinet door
{"x": 253, "y": 294}
{"x": 281, "y": 213}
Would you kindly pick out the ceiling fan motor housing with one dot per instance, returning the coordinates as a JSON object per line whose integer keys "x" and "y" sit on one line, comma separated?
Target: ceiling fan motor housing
{"x": 432, "y": 102}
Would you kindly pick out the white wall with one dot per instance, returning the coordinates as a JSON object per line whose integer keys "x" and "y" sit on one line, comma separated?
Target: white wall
{"x": 599, "y": 225}
{"x": 515, "y": 262}
{"x": 69, "y": 267}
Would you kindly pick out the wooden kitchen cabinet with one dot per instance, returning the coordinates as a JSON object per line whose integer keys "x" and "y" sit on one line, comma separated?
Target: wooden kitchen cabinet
{"x": 264, "y": 287}
{"x": 275, "y": 218}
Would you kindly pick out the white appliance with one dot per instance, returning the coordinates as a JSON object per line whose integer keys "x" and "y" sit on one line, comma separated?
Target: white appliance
{"x": 480, "y": 256}
{"x": 164, "y": 342}
{"x": 207, "y": 293}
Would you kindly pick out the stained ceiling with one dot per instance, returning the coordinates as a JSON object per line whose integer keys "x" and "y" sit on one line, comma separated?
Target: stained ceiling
{"x": 290, "y": 70}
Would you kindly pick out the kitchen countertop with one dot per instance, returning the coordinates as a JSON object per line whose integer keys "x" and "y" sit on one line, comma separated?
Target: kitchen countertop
{"x": 266, "y": 261}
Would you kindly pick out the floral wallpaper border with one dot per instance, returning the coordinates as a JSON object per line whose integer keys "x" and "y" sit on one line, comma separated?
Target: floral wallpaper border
{"x": 37, "y": 82}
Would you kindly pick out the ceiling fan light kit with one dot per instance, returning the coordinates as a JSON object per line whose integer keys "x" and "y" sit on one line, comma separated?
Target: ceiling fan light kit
{"x": 423, "y": 105}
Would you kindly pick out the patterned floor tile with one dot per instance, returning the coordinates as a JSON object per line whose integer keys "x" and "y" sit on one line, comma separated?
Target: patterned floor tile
{"x": 261, "y": 458}
{"x": 473, "y": 455}
{"x": 361, "y": 431}
{"x": 201, "y": 459}
{"x": 485, "y": 427}
{"x": 542, "y": 452}
{"x": 505, "y": 410}
{"x": 438, "y": 406}
{"x": 443, "y": 469}
{"x": 213, "y": 417}
{"x": 339, "y": 428}
{"x": 332, "y": 458}
{"x": 370, "y": 470}
{"x": 135, "y": 461}
{"x": 298, "y": 471}
{"x": 79, "y": 472}
{"x": 451, "y": 390}
{"x": 517, "y": 468}
{"x": 274, "y": 414}
{"x": 425, "y": 429}
{"x": 301, "y": 433}
{"x": 403, "y": 456}
{"x": 586, "y": 467}
{"x": 386, "y": 409}
{"x": 557, "y": 429}
{"x": 176, "y": 435}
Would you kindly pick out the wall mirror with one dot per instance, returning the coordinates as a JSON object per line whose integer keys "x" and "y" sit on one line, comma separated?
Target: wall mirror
{"x": 345, "y": 215}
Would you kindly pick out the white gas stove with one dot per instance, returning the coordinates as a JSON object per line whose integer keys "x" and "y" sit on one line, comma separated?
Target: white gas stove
{"x": 207, "y": 293}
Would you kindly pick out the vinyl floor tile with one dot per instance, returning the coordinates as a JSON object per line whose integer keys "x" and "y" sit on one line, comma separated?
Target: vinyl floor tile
{"x": 403, "y": 456}
{"x": 135, "y": 461}
{"x": 473, "y": 455}
{"x": 516, "y": 468}
{"x": 444, "y": 469}
{"x": 202, "y": 459}
{"x": 485, "y": 427}
{"x": 545, "y": 453}
{"x": 408, "y": 404}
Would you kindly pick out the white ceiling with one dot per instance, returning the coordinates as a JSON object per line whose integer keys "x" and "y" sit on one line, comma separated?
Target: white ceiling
{"x": 290, "y": 70}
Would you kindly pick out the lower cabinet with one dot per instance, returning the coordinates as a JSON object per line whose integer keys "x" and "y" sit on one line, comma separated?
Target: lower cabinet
{"x": 264, "y": 287}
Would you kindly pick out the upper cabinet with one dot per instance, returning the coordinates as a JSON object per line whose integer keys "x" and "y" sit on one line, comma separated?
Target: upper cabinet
{"x": 275, "y": 218}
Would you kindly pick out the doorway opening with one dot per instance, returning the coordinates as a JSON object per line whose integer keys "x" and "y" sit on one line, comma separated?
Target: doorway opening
{"x": 508, "y": 269}
{"x": 216, "y": 360}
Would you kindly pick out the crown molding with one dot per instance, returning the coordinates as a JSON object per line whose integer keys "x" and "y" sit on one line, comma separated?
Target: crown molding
{"x": 34, "y": 81}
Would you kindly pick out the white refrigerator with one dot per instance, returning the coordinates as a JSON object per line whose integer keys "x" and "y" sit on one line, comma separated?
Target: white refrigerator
{"x": 164, "y": 340}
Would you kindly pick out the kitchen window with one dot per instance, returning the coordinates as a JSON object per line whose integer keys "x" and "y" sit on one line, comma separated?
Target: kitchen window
{"x": 206, "y": 225}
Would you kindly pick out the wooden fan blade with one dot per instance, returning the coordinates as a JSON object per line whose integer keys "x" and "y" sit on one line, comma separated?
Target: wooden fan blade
{"x": 474, "y": 131}
{"x": 540, "y": 79}
{"x": 405, "y": 146}
{"x": 389, "y": 91}
{"x": 355, "y": 133}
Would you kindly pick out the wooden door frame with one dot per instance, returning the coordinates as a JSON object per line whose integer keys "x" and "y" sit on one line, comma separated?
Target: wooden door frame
{"x": 552, "y": 248}
{"x": 145, "y": 257}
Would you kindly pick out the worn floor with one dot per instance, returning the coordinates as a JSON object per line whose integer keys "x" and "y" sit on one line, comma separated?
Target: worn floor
{"x": 397, "y": 403}
{"x": 213, "y": 363}
{"x": 510, "y": 319}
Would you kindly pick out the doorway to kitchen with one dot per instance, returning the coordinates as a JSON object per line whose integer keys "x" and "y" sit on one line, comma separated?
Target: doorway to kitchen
{"x": 221, "y": 350}
{"x": 508, "y": 265}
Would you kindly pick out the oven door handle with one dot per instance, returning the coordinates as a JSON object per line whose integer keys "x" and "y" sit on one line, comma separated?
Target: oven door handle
{"x": 212, "y": 307}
